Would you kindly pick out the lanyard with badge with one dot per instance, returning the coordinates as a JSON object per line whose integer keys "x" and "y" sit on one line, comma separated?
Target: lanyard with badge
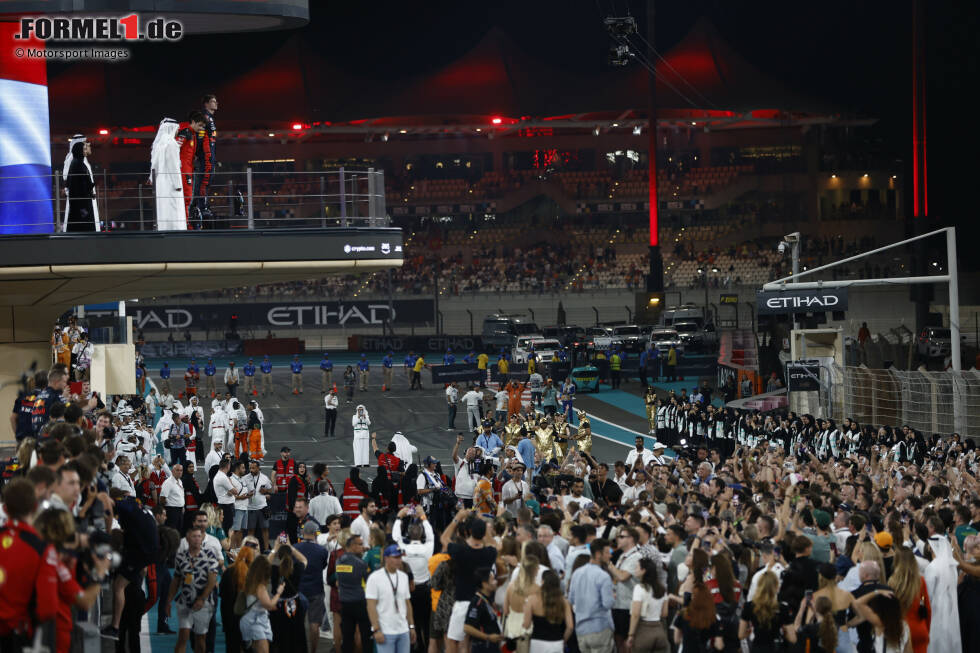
{"x": 520, "y": 493}
{"x": 394, "y": 590}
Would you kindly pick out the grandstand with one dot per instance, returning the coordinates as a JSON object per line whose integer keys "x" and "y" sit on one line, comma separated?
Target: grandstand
{"x": 495, "y": 258}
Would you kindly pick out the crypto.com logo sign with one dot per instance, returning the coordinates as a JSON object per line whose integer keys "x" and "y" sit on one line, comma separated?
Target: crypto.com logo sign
{"x": 98, "y": 28}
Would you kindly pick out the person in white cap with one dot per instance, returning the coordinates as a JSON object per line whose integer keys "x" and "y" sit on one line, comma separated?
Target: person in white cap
{"x": 658, "y": 454}
{"x": 389, "y": 604}
{"x": 517, "y": 490}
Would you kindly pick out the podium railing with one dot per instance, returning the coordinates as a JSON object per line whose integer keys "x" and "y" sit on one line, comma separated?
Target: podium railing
{"x": 249, "y": 199}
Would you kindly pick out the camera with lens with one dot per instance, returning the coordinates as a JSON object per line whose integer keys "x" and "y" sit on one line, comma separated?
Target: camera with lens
{"x": 100, "y": 547}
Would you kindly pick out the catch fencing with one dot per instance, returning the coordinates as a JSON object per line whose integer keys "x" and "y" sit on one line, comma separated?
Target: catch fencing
{"x": 931, "y": 402}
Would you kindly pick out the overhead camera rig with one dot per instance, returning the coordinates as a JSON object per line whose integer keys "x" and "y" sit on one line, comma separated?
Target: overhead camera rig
{"x": 620, "y": 29}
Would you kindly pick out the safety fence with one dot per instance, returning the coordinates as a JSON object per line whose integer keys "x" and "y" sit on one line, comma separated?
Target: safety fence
{"x": 931, "y": 402}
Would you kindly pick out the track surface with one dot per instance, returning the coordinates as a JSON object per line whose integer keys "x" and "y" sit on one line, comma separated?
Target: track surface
{"x": 297, "y": 421}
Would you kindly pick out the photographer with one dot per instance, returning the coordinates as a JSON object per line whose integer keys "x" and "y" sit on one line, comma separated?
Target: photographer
{"x": 436, "y": 496}
{"x": 77, "y": 567}
{"x": 466, "y": 476}
{"x": 176, "y": 440}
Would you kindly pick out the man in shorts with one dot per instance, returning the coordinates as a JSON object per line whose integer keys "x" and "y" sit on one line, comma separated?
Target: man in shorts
{"x": 239, "y": 525}
{"x": 195, "y": 577}
{"x": 469, "y": 553}
{"x": 259, "y": 488}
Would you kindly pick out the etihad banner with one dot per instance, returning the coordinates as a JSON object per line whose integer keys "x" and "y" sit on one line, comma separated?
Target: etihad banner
{"x": 460, "y": 345}
{"x": 220, "y": 317}
{"x": 457, "y": 372}
{"x": 770, "y": 302}
{"x": 202, "y": 350}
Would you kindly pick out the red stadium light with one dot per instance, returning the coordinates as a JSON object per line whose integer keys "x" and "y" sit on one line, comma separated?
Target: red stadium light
{"x": 297, "y": 126}
{"x": 496, "y": 120}
{"x": 103, "y": 132}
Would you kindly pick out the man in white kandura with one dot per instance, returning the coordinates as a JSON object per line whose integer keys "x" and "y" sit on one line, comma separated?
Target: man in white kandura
{"x": 165, "y": 178}
{"x": 362, "y": 437}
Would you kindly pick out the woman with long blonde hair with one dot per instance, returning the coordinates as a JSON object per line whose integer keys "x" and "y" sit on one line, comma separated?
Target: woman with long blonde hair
{"x": 913, "y": 596}
{"x": 214, "y": 526}
{"x": 27, "y": 446}
{"x": 815, "y": 625}
{"x": 518, "y": 592}
{"x": 762, "y": 617}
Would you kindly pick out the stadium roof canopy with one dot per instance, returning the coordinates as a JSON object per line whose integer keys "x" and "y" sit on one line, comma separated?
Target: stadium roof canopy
{"x": 495, "y": 87}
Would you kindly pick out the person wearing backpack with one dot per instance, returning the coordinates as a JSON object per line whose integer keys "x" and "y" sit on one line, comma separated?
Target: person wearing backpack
{"x": 141, "y": 546}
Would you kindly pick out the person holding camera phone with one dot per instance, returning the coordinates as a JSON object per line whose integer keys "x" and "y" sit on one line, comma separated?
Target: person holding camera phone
{"x": 417, "y": 545}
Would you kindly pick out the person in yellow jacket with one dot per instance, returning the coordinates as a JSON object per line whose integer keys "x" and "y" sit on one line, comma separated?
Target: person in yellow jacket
{"x": 615, "y": 368}
{"x": 481, "y": 364}
{"x": 417, "y": 372}
{"x": 503, "y": 369}
{"x": 532, "y": 362}
{"x": 672, "y": 364}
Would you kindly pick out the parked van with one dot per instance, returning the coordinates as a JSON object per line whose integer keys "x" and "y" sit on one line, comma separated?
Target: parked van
{"x": 502, "y": 330}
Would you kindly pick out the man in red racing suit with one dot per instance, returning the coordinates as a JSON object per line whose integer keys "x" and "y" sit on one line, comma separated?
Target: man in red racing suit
{"x": 187, "y": 141}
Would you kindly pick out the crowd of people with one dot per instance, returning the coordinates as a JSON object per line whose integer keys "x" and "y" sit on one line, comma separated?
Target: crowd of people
{"x": 769, "y": 532}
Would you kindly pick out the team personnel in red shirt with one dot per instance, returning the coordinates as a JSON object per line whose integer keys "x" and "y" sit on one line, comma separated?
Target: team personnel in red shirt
{"x": 389, "y": 460}
{"x": 191, "y": 378}
{"x": 58, "y": 528}
{"x": 28, "y": 570}
{"x": 187, "y": 141}
{"x": 283, "y": 470}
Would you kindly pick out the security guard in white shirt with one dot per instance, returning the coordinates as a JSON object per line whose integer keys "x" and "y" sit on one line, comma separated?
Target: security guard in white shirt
{"x": 172, "y": 496}
{"x": 330, "y": 405}
{"x": 452, "y": 401}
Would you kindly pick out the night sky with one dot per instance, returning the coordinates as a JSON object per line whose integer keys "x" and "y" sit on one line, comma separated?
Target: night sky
{"x": 854, "y": 54}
